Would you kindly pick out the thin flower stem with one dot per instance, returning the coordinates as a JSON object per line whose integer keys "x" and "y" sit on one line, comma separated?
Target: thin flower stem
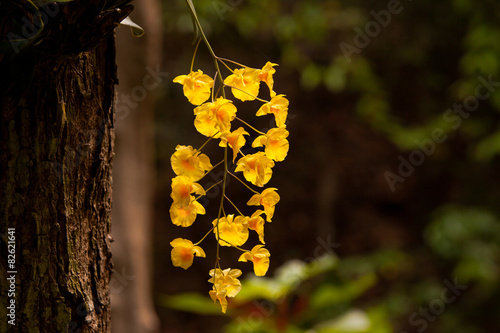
{"x": 207, "y": 44}
{"x": 210, "y": 170}
{"x": 194, "y": 54}
{"x": 215, "y": 166}
{"x": 220, "y": 59}
{"x": 232, "y": 245}
{"x": 256, "y": 130}
{"x": 221, "y": 206}
{"x": 239, "y": 212}
{"x": 204, "y": 144}
{"x": 246, "y": 92}
{"x": 208, "y": 189}
{"x": 248, "y": 187}
{"x": 221, "y": 86}
{"x": 234, "y": 62}
{"x": 208, "y": 233}
{"x": 213, "y": 89}
{"x": 211, "y": 187}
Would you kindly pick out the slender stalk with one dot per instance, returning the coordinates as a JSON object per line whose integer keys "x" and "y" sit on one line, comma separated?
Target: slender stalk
{"x": 226, "y": 64}
{"x": 213, "y": 89}
{"x": 208, "y": 233}
{"x": 204, "y": 144}
{"x": 234, "y": 62}
{"x": 248, "y": 187}
{"x": 223, "y": 210}
{"x": 210, "y": 170}
{"x": 246, "y": 92}
{"x": 232, "y": 245}
{"x": 211, "y": 187}
{"x": 239, "y": 212}
{"x": 208, "y": 189}
{"x": 216, "y": 165}
{"x": 194, "y": 54}
{"x": 221, "y": 203}
{"x": 216, "y": 63}
{"x": 256, "y": 130}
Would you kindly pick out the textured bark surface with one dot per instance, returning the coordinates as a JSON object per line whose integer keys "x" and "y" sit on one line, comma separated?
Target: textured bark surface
{"x": 56, "y": 148}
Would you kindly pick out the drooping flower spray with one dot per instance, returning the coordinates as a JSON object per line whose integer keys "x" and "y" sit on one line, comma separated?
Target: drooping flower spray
{"x": 214, "y": 115}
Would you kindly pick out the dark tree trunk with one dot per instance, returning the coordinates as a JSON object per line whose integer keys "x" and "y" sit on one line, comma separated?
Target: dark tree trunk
{"x": 56, "y": 148}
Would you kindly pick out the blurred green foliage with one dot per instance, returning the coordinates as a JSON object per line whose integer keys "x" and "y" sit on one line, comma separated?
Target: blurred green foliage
{"x": 400, "y": 86}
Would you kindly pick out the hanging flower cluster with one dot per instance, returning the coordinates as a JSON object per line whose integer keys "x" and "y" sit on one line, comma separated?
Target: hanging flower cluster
{"x": 214, "y": 117}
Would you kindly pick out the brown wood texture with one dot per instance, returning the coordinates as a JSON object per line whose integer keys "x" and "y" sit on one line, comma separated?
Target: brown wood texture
{"x": 56, "y": 151}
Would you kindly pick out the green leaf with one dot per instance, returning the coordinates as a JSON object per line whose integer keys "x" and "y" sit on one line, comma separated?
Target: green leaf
{"x": 311, "y": 76}
{"x": 288, "y": 277}
{"x": 137, "y": 30}
{"x": 353, "y": 321}
{"x": 330, "y": 295}
{"x": 488, "y": 147}
{"x": 190, "y": 302}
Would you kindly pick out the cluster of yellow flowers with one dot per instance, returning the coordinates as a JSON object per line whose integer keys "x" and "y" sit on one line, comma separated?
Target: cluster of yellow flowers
{"x": 213, "y": 119}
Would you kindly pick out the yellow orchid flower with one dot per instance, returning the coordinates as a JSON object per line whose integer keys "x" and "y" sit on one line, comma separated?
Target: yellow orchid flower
{"x": 260, "y": 258}
{"x": 185, "y": 216}
{"x": 183, "y": 252}
{"x": 189, "y": 162}
{"x": 225, "y": 284}
{"x": 231, "y": 230}
{"x": 256, "y": 223}
{"x": 234, "y": 139}
{"x": 266, "y": 75}
{"x": 182, "y": 187}
{"x": 245, "y": 83}
{"x": 268, "y": 199}
{"x": 196, "y": 86}
{"x": 214, "y": 117}
{"x": 256, "y": 168}
{"x": 276, "y": 143}
{"x": 278, "y": 105}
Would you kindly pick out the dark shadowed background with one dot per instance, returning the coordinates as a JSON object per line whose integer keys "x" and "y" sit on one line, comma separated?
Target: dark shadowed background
{"x": 388, "y": 219}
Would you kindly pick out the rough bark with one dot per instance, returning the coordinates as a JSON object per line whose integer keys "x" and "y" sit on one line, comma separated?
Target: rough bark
{"x": 56, "y": 149}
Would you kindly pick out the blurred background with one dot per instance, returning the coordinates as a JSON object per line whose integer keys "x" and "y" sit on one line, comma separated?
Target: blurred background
{"x": 389, "y": 215}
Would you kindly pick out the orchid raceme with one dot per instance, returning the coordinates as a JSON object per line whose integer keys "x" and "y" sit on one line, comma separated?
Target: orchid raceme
{"x": 268, "y": 199}
{"x": 278, "y": 106}
{"x": 231, "y": 231}
{"x": 214, "y": 114}
{"x": 256, "y": 168}
{"x": 184, "y": 251}
{"x": 276, "y": 143}
{"x": 215, "y": 117}
{"x": 197, "y": 86}
{"x": 190, "y": 162}
{"x": 235, "y": 140}
{"x": 260, "y": 258}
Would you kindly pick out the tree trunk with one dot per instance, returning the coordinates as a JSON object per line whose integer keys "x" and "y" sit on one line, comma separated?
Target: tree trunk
{"x": 56, "y": 148}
